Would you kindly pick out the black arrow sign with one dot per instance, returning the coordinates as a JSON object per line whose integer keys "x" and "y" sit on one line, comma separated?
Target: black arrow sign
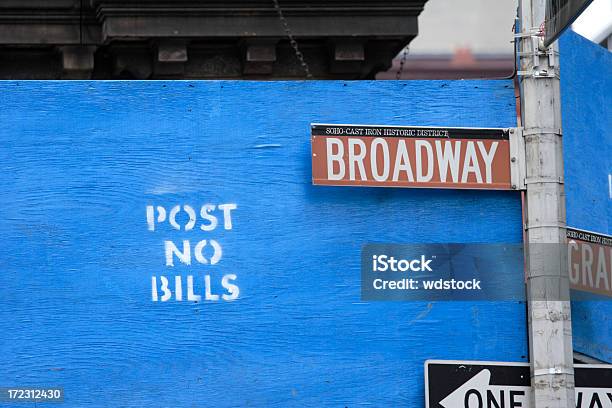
{"x": 481, "y": 384}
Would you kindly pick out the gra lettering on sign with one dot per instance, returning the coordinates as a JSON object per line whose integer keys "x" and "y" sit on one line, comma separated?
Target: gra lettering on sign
{"x": 590, "y": 261}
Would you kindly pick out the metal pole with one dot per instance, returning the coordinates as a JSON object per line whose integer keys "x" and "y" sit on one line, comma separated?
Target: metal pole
{"x": 550, "y": 331}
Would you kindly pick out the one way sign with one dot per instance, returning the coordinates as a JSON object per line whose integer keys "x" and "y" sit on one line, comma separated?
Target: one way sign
{"x": 481, "y": 384}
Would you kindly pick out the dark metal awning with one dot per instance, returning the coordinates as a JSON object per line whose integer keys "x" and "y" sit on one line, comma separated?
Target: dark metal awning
{"x": 202, "y": 39}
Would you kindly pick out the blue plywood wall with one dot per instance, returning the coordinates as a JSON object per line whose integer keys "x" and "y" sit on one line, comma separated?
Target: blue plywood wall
{"x": 586, "y": 91}
{"x": 81, "y": 161}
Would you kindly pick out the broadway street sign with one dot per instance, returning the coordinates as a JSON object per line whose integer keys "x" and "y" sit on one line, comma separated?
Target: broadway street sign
{"x": 481, "y": 384}
{"x": 393, "y": 156}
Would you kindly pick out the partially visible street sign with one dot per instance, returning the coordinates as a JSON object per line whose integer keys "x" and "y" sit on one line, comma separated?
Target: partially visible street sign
{"x": 482, "y": 384}
{"x": 393, "y": 156}
{"x": 590, "y": 261}
{"x": 560, "y": 14}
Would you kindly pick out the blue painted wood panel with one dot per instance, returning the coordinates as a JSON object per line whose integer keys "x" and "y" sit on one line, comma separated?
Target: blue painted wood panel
{"x": 81, "y": 161}
{"x": 586, "y": 96}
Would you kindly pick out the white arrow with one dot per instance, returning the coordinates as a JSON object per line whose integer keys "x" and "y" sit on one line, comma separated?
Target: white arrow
{"x": 478, "y": 393}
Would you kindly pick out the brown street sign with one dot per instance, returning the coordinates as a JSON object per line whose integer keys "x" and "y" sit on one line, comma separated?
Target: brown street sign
{"x": 393, "y": 156}
{"x": 590, "y": 261}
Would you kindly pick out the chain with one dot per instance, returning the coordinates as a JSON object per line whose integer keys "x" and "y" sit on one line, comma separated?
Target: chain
{"x": 400, "y": 71}
{"x": 292, "y": 41}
